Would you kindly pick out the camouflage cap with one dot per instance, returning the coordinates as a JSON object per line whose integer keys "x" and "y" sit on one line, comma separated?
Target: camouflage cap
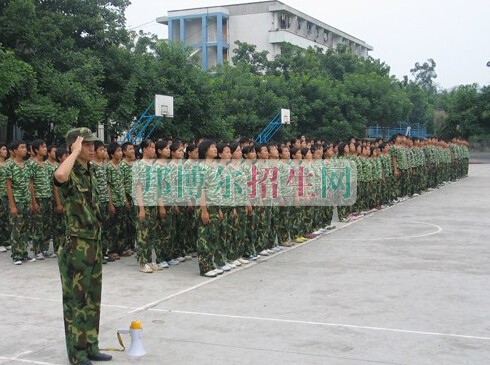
{"x": 84, "y": 132}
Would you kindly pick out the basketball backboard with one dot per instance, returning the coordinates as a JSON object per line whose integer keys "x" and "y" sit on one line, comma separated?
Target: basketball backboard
{"x": 164, "y": 106}
{"x": 285, "y": 116}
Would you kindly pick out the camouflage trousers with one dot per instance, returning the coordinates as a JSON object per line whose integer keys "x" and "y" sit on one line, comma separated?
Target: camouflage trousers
{"x": 207, "y": 238}
{"x": 307, "y": 219}
{"x": 238, "y": 234}
{"x": 41, "y": 226}
{"x": 59, "y": 229}
{"x": 274, "y": 228}
{"x": 326, "y": 214}
{"x": 251, "y": 233}
{"x": 190, "y": 229}
{"x": 129, "y": 224}
{"x": 284, "y": 223}
{"x": 223, "y": 247}
{"x": 115, "y": 230}
{"x": 180, "y": 227}
{"x": 167, "y": 229}
{"x": 4, "y": 222}
{"x": 80, "y": 265}
{"x": 146, "y": 235}
{"x": 104, "y": 240}
{"x": 296, "y": 220}
{"x": 263, "y": 227}
{"x": 19, "y": 231}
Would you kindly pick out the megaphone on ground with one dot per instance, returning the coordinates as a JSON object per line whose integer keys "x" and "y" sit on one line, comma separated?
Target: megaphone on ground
{"x": 136, "y": 332}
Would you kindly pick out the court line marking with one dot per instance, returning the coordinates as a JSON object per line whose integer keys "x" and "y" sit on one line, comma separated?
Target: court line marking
{"x": 244, "y": 267}
{"x": 438, "y": 230}
{"x": 324, "y": 324}
{"x": 26, "y": 361}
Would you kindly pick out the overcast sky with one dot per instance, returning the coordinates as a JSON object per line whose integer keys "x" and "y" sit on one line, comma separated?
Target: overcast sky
{"x": 455, "y": 33}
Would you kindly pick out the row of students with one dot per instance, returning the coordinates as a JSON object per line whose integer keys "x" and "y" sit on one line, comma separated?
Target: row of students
{"x": 222, "y": 236}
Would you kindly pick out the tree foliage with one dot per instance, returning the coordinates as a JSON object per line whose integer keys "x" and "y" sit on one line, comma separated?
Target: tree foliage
{"x": 72, "y": 63}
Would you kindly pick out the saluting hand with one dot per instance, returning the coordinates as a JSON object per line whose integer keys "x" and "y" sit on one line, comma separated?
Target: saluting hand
{"x": 76, "y": 147}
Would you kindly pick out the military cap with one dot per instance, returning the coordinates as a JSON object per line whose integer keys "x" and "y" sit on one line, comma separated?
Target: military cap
{"x": 84, "y": 132}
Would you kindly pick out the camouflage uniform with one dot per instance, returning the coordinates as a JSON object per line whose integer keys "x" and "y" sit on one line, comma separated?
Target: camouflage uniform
{"x": 284, "y": 210}
{"x": 129, "y": 215}
{"x": 80, "y": 263}
{"x": 116, "y": 234}
{"x": 56, "y": 220}
{"x": 386, "y": 186}
{"x": 4, "y": 209}
{"x": 19, "y": 235}
{"x": 209, "y": 234}
{"x": 146, "y": 235}
{"x": 251, "y": 226}
{"x": 166, "y": 228}
{"x": 100, "y": 173}
{"x": 43, "y": 192}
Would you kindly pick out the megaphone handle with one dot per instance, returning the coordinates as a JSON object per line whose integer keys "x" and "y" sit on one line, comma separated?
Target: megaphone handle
{"x": 119, "y": 338}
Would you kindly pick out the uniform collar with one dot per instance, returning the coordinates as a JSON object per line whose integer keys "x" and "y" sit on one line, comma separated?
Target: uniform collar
{"x": 79, "y": 169}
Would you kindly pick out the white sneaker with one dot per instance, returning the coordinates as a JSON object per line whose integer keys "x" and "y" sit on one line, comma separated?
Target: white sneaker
{"x": 3, "y": 249}
{"x": 9, "y": 247}
{"x": 237, "y": 263}
{"x": 271, "y": 252}
{"x": 225, "y": 267}
{"x": 39, "y": 256}
{"x": 163, "y": 265}
{"x": 211, "y": 274}
{"x": 276, "y": 248}
{"x": 173, "y": 262}
{"x": 264, "y": 253}
{"x": 29, "y": 259}
{"x": 146, "y": 269}
{"x": 243, "y": 261}
{"x": 17, "y": 262}
{"x": 231, "y": 264}
{"x": 218, "y": 271}
{"x": 49, "y": 254}
{"x": 188, "y": 257}
{"x": 155, "y": 267}
{"x": 180, "y": 259}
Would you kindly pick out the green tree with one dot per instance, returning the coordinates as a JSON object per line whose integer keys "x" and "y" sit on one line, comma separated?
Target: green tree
{"x": 17, "y": 81}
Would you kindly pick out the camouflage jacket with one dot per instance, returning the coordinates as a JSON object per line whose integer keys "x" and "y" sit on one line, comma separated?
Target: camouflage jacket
{"x": 79, "y": 196}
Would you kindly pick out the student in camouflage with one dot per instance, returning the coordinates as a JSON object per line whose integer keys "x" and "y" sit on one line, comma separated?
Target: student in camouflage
{"x": 19, "y": 197}
{"x": 41, "y": 201}
{"x": 210, "y": 215}
{"x": 80, "y": 256}
{"x": 145, "y": 196}
{"x": 59, "y": 224}
{"x": 4, "y": 203}
{"x": 165, "y": 228}
{"x": 98, "y": 166}
{"x": 130, "y": 216}
{"x": 117, "y": 202}
{"x": 52, "y": 165}
{"x": 241, "y": 206}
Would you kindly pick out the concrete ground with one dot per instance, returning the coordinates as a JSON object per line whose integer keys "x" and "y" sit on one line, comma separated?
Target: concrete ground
{"x": 406, "y": 285}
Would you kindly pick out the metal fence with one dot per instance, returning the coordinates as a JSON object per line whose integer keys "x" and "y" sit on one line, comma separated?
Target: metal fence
{"x": 406, "y": 129}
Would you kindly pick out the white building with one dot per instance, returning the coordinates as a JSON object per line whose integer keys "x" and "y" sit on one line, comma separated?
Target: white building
{"x": 212, "y": 31}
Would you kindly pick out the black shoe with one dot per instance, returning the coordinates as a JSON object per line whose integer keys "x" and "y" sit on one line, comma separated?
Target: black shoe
{"x": 85, "y": 362}
{"x": 100, "y": 357}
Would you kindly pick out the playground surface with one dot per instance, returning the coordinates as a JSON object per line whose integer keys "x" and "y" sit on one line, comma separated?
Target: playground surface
{"x": 405, "y": 285}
